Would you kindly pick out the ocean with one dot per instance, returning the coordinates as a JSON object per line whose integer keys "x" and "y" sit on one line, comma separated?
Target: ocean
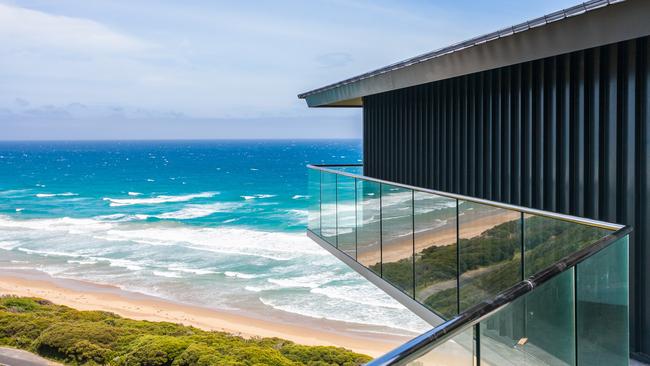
{"x": 219, "y": 224}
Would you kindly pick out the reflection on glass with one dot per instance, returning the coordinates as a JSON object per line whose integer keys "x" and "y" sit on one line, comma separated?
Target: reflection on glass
{"x": 537, "y": 329}
{"x": 345, "y": 216}
{"x": 397, "y": 236}
{"x": 435, "y": 252}
{"x": 490, "y": 251}
{"x": 602, "y": 311}
{"x": 547, "y": 240}
{"x": 313, "y": 223}
{"x": 457, "y": 351}
{"x": 368, "y": 225}
{"x": 328, "y": 207}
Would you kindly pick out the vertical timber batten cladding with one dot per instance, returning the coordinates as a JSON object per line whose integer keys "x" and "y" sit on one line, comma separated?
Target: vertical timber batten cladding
{"x": 568, "y": 133}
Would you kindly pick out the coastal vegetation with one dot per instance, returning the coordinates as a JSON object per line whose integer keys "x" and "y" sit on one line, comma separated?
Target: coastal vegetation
{"x": 101, "y": 338}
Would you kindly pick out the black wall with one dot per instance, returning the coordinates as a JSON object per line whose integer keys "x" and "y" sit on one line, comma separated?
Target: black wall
{"x": 569, "y": 133}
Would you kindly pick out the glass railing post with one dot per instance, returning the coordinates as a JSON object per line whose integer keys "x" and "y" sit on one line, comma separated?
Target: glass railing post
{"x": 336, "y": 209}
{"x": 458, "y": 254}
{"x": 413, "y": 241}
{"x": 320, "y": 203}
{"x": 356, "y": 223}
{"x": 522, "y": 246}
{"x": 381, "y": 230}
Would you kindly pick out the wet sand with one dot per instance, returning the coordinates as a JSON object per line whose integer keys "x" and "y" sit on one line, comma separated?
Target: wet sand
{"x": 83, "y": 295}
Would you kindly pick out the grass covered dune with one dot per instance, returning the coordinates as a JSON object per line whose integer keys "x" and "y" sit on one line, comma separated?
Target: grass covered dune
{"x": 96, "y": 337}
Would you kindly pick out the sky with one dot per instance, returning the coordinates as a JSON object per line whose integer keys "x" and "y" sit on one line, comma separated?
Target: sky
{"x": 117, "y": 69}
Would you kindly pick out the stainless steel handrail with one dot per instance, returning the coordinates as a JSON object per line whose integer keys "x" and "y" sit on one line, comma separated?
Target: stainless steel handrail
{"x": 570, "y": 218}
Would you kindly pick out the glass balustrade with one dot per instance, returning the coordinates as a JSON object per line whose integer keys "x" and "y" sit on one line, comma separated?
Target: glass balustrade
{"x": 453, "y": 254}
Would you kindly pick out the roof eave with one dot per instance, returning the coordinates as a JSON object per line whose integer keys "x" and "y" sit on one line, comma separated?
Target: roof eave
{"x": 596, "y": 26}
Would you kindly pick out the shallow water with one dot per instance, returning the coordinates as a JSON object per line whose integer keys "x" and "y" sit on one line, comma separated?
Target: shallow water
{"x": 219, "y": 224}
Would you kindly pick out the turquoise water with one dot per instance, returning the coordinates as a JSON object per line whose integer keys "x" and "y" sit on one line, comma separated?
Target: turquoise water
{"x": 218, "y": 224}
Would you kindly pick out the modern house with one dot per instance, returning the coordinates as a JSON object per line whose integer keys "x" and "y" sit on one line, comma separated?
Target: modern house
{"x": 504, "y": 195}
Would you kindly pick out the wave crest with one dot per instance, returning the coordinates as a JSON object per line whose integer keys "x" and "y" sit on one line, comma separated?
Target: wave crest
{"x": 117, "y": 202}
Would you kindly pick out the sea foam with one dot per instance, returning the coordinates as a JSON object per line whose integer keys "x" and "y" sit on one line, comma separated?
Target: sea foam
{"x": 117, "y": 202}
{"x": 197, "y": 211}
{"x": 258, "y": 196}
{"x": 65, "y": 194}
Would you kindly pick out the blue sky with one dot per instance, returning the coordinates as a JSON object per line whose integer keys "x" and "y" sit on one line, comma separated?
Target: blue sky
{"x": 113, "y": 69}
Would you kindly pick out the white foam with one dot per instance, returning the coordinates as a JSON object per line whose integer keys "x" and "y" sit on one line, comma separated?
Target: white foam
{"x": 116, "y": 202}
{"x": 9, "y": 245}
{"x": 197, "y": 271}
{"x": 167, "y": 274}
{"x": 134, "y": 193}
{"x": 196, "y": 211}
{"x": 301, "y": 215}
{"x": 299, "y": 196}
{"x": 49, "y": 253}
{"x": 122, "y": 263}
{"x": 309, "y": 281}
{"x": 122, "y": 217}
{"x": 400, "y": 319}
{"x": 246, "y": 276}
{"x": 362, "y": 295}
{"x": 19, "y": 209}
{"x": 82, "y": 261}
{"x": 63, "y": 224}
{"x": 258, "y": 196}
{"x": 65, "y": 194}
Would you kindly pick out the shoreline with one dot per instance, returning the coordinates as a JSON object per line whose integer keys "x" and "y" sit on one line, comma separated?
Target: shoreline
{"x": 83, "y": 295}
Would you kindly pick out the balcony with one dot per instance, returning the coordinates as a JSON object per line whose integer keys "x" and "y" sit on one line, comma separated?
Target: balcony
{"x": 500, "y": 284}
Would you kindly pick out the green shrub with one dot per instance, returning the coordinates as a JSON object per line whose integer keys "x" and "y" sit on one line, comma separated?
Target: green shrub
{"x": 85, "y": 351}
{"x": 100, "y": 338}
{"x": 20, "y": 305}
{"x": 322, "y": 355}
{"x": 153, "y": 350}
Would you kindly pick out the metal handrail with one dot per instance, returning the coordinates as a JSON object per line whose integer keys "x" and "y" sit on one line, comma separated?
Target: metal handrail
{"x": 474, "y": 315}
{"x": 570, "y": 218}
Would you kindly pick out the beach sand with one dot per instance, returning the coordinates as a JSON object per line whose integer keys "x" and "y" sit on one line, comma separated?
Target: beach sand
{"x": 83, "y": 295}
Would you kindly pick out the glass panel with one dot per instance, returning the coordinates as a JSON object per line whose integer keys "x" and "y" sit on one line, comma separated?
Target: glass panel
{"x": 457, "y": 351}
{"x": 345, "y": 216}
{"x": 355, "y": 169}
{"x": 397, "y": 236}
{"x": 550, "y": 321}
{"x": 436, "y": 262}
{"x": 547, "y": 240}
{"x": 328, "y": 207}
{"x": 490, "y": 251}
{"x": 368, "y": 225}
{"x": 602, "y": 312}
{"x": 537, "y": 329}
{"x": 313, "y": 222}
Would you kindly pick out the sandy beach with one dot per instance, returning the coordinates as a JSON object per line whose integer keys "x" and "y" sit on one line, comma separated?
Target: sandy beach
{"x": 89, "y": 296}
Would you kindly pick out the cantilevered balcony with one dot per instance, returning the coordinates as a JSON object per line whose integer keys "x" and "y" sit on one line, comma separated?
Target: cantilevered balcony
{"x": 501, "y": 284}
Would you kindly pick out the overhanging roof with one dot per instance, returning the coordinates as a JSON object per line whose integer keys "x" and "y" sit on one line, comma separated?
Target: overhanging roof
{"x": 591, "y": 24}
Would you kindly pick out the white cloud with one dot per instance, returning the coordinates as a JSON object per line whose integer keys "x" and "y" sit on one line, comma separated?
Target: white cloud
{"x": 22, "y": 28}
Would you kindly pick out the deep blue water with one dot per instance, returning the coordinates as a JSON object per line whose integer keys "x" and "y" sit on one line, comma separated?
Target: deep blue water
{"x": 215, "y": 223}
